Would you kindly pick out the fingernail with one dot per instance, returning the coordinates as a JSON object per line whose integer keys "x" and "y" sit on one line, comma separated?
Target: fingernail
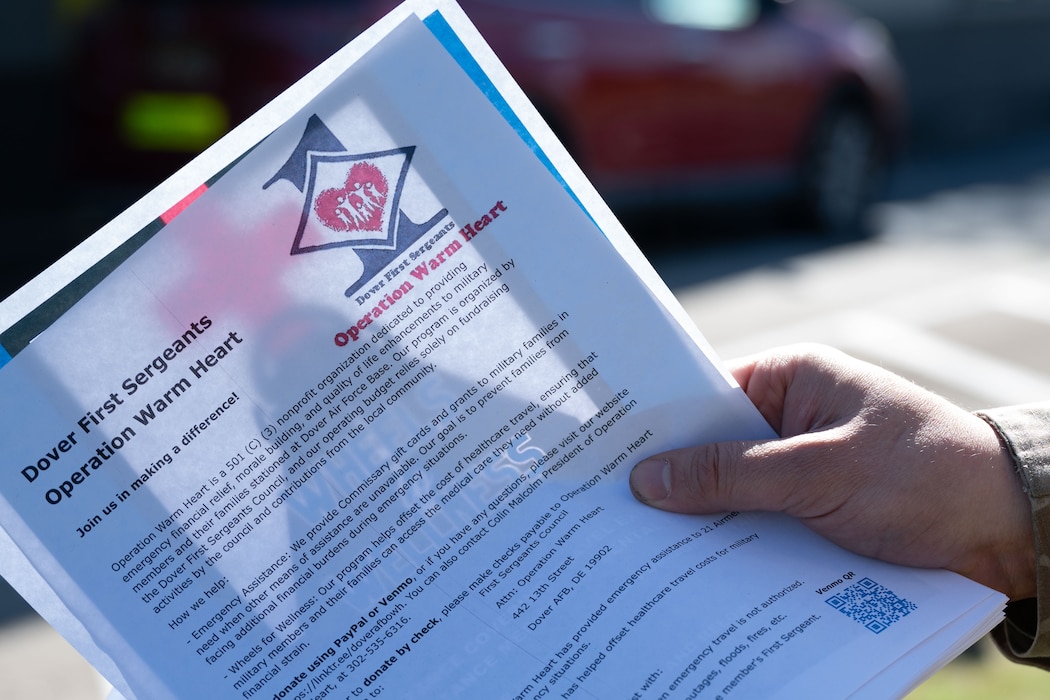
{"x": 651, "y": 480}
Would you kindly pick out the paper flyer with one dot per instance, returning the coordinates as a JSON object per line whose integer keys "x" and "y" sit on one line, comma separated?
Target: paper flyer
{"x": 357, "y": 422}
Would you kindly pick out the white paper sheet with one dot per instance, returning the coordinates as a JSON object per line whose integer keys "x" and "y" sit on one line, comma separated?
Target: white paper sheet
{"x": 358, "y": 422}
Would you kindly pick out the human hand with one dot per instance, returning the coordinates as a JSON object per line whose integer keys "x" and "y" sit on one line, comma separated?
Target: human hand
{"x": 868, "y": 460}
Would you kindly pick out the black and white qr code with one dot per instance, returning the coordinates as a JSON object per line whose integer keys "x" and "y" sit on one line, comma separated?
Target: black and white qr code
{"x": 872, "y": 605}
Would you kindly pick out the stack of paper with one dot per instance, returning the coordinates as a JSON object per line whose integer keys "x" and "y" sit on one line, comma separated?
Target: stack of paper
{"x": 357, "y": 422}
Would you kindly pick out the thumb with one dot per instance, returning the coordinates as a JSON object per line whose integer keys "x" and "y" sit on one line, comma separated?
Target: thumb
{"x": 720, "y": 477}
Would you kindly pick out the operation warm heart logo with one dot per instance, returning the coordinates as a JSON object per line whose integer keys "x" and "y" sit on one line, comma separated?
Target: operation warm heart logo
{"x": 358, "y": 205}
{"x": 350, "y": 198}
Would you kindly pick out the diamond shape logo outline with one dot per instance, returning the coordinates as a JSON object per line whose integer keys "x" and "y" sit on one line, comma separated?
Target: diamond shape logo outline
{"x": 343, "y": 162}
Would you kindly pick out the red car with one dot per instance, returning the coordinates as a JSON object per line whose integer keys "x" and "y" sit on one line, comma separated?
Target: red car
{"x": 792, "y": 101}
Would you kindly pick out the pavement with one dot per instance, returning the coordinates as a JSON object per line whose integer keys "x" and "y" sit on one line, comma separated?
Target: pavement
{"x": 37, "y": 664}
{"x": 950, "y": 292}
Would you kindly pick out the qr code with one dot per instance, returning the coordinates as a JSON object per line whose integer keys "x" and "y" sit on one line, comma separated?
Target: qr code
{"x": 874, "y": 606}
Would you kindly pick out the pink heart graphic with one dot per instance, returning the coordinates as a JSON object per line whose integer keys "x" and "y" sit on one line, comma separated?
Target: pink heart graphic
{"x": 358, "y": 206}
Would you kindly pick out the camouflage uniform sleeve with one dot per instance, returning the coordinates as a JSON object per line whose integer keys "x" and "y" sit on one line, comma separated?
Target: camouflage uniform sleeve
{"x": 1025, "y": 634}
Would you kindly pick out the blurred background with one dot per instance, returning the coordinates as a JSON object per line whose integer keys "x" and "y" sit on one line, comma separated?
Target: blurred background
{"x": 873, "y": 174}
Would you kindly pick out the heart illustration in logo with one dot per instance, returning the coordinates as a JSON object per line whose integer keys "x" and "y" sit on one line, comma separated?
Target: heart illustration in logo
{"x": 358, "y": 205}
